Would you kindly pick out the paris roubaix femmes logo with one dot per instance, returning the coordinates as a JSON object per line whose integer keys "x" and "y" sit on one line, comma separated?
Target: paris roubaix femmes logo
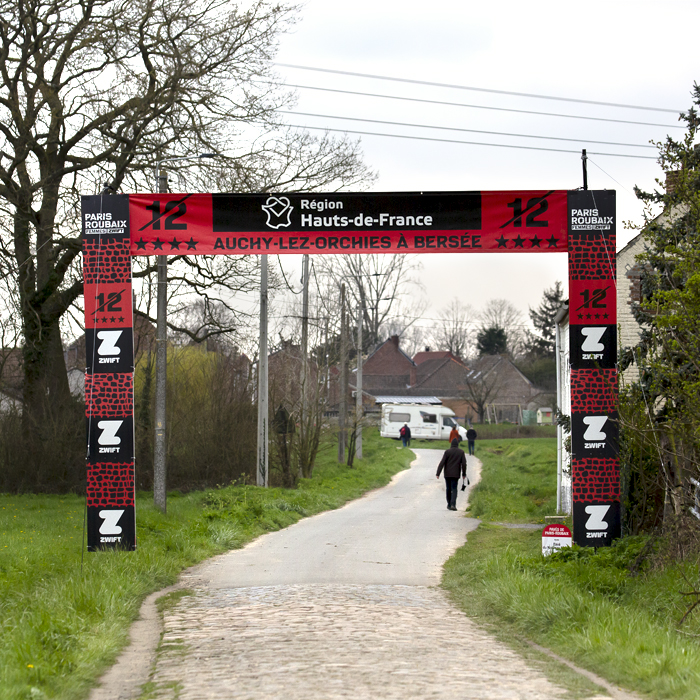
{"x": 279, "y": 211}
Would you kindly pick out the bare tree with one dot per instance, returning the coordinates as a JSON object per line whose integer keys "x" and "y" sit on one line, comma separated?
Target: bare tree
{"x": 96, "y": 91}
{"x": 379, "y": 283}
{"x": 481, "y": 385}
{"x": 500, "y": 313}
{"x": 453, "y": 331}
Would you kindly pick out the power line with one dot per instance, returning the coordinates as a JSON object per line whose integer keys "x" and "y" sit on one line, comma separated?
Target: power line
{"x": 468, "y": 143}
{"x": 477, "y": 89}
{"x": 472, "y": 131}
{"x": 496, "y": 109}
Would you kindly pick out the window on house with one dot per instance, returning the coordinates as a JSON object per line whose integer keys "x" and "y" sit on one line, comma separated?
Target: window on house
{"x": 399, "y": 417}
{"x": 428, "y": 417}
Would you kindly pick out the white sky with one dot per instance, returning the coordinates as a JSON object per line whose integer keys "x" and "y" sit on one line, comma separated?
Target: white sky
{"x": 631, "y": 52}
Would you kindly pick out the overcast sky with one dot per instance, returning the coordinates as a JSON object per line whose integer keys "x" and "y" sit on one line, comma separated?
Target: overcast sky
{"x": 641, "y": 53}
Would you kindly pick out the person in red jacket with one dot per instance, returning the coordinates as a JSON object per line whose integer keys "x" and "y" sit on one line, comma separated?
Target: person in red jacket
{"x": 453, "y": 462}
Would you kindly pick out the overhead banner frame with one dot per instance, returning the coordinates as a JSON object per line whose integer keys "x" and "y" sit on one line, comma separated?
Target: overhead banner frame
{"x": 581, "y": 223}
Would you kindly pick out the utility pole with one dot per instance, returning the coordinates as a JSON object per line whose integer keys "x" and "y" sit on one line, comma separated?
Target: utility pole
{"x": 342, "y": 388}
{"x": 159, "y": 448}
{"x": 159, "y": 466}
{"x": 304, "y": 355}
{"x": 584, "y": 162}
{"x": 262, "y": 477}
{"x": 358, "y": 387}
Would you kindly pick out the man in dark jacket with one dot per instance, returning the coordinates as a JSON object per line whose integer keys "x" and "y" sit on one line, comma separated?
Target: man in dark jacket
{"x": 471, "y": 438}
{"x": 453, "y": 461}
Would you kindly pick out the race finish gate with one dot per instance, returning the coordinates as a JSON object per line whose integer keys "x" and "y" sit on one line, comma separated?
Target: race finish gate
{"x": 580, "y": 222}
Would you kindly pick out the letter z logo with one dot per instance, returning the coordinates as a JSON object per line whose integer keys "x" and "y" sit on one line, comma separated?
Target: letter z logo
{"x": 110, "y": 522}
{"x": 595, "y": 517}
{"x": 109, "y": 430}
{"x": 109, "y": 339}
{"x": 594, "y": 431}
{"x": 592, "y": 342}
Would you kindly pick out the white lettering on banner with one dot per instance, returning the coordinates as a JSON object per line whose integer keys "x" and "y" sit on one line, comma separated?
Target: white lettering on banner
{"x": 592, "y": 342}
{"x": 320, "y": 205}
{"x": 110, "y": 525}
{"x": 596, "y": 515}
{"x": 592, "y": 356}
{"x": 109, "y": 339}
{"x": 594, "y": 445}
{"x": 107, "y": 360}
{"x": 104, "y": 540}
{"x": 384, "y": 219}
{"x": 595, "y": 428}
{"x": 109, "y": 432}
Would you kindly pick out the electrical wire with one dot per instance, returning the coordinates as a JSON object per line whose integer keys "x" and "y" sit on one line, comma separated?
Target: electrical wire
{"x": 468, "y": 143}
{"x": 472, "y": 131}
{"x": 477, "y": 89}
{"x": 496, "y": 109}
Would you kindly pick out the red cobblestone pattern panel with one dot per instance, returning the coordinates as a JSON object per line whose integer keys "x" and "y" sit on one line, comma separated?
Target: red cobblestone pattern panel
{"x": 595, "y": 479}
{"x": 591, "y": 256}
{"x": 110, "y": 484}
{"x": 594, "y": 391}
{"x": 106, "y": 261}
{"x": 109, "y": 395}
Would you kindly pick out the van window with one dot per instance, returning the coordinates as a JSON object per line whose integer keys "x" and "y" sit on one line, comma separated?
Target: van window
{"x": 428, "y": 417}
{"x": 446, "y": 420}
{"x": 399, "y": 417}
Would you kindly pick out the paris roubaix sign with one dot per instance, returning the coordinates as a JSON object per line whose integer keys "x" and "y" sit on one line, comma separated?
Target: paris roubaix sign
{"x": 580, "y": 222}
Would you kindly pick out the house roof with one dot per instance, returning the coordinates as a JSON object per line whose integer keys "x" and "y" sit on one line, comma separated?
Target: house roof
{"x": 391, "y": 341}
{"x": 422, "y": 400}
{"x": 421, "y": 357}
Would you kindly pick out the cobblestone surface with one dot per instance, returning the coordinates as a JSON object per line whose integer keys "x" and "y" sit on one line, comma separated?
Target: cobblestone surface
{"x": 335, "y": 641}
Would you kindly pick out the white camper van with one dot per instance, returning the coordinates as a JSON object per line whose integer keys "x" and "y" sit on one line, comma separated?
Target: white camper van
{"x": 425, "y": 422}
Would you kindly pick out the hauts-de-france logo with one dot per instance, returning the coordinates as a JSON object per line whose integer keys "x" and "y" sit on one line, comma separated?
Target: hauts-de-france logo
{"x": 278, "y": 210}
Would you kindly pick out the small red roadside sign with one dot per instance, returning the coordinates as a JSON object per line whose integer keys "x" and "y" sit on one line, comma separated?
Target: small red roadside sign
{"x": 555, "y": 537}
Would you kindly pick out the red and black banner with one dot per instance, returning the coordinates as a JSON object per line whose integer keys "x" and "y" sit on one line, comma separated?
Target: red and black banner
{"x": 109, "y": 375}
{"x": 581, "y": 223}
{"x": 341, "y": 223}
{"x": 595, "y": 467}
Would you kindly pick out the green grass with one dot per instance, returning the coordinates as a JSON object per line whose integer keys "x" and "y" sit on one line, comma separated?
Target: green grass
{"x": 584, "y": 604}
{"x": 62, "y": 622}
{"x": 502, "y": 431}
{"x": 519, "y": 481}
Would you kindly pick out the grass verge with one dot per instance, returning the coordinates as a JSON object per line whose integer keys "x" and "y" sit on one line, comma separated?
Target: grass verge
{"x": 610, "y": 611}
{"x": 65, "y": 616}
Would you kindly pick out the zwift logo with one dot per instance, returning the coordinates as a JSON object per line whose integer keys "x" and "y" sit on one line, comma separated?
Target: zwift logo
{"x": 108, "y": 438}
{"x": 278, "y": 210}
{"x": 594, "y": 436}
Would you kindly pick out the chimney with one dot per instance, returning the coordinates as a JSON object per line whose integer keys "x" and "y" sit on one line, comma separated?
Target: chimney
{"x": 427, "y": 348}
{"x": 672, "y": 177}
{"x": 395, "y": 340}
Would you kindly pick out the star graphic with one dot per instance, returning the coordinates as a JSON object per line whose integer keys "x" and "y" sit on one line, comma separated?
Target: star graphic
{"x": 597, "y": 315}
{"x": 104, "y": 319}
{"x": 588, "y": 315}
{"x": 552, "y": 242}
{"x": 502, "y": 241}
{"x": 519, "y": 242}
{"x": 536, "y": 241}
{"x": 191, "y": 244}
{"x": 141, "y": 245}
{"x": 605, "y": 315}
{"x": 158, "y": 244}
{"x": 121, "y": 319}
{"x": 175, "y": 244}
{"x": 112, "y": 320}
{"x": 580, "y": 316}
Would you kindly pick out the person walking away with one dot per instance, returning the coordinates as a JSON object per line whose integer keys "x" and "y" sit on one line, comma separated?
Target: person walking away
{"x": 405, "y": 435}
{"x": 471, "y": 438}
{"x": 454, "y": 434}
{"x": 453, "y": 462}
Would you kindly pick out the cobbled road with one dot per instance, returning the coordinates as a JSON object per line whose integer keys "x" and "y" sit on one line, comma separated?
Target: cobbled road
{"x": 341, "y": 605}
